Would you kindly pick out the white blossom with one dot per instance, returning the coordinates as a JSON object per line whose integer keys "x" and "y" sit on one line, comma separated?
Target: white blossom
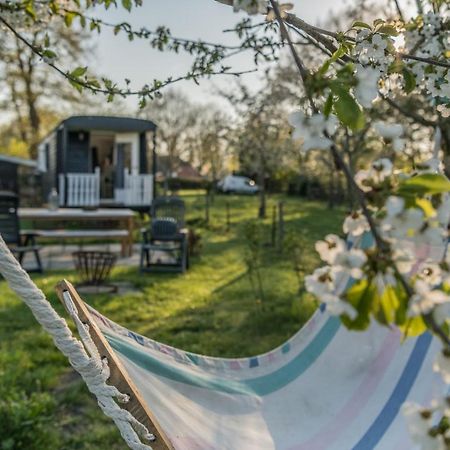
{"x": 431, "y": 165}
{"x": 430, "y": 272}
{"x": 283, "y": 8}
{"x": 432, "y": 234}
{"x": 379, "y": 171}
{"x": 425, "y": 299}
{"x": 351, "y": 261}
{"x": 394, "y": 205}
{"x": 419, "y": 424}
{"x": 337, "y": 307}
{"x": 311, "y": 130}
{"x": 330, "y": 248}
{"x": 383, "y": 280}
{"x": 356, "y": 224}
{"x": 442, "y": 407}
{"x": 366, "y": 91}
{"x": 322, "y": 281}
{"x": 250, "y": 6}
{"x": 392, "y": 133}
{"x": 441, "y": 313}
{"x": 407, "y": 223}
{"x": 443, "y": 211}
{"x": 442, "y": 365}
{"x": 363, "y": 180}
{"x": 404, "y": 256}
{"x": 333, "y": 250}
{"x": 371, "y": 49}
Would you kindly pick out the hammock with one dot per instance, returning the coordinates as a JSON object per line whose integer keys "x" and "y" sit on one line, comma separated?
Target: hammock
{"x": 325, "y": 389}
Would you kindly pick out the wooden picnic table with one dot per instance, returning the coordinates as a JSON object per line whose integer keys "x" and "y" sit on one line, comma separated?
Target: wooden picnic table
{"x": 124, "y": 217}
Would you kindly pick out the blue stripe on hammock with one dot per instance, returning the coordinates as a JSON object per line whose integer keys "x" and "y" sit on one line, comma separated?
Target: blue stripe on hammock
{"x": 262, "y": 385}
{"x": 390, "y": 410}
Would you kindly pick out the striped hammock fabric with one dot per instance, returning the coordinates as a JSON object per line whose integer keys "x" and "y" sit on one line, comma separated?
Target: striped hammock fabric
{"x": 325, "y": 389}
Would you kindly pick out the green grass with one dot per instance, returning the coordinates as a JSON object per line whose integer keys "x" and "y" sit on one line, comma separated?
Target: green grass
{"x": 212, "y": 309}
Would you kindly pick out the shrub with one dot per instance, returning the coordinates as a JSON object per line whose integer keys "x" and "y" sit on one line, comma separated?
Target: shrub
{"x": 24, "y": 421}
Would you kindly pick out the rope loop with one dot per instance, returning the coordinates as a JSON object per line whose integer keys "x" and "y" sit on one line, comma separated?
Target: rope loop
{"x": 83, "y": 355}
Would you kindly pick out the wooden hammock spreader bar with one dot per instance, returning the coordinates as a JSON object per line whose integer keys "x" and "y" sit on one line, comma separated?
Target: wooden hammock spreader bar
{"x": 119, "y": 376}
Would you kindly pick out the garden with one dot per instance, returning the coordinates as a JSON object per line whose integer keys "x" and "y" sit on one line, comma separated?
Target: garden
{"x": 242, "y": 209}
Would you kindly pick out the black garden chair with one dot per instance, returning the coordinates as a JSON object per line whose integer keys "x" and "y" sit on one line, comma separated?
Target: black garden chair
{"x": 19, "y": 243}
{"x": 165, "y": 242}
{"x": 169, "y": 207}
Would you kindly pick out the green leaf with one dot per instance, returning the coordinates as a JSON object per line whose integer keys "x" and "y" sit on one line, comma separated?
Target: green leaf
{"x": 142, "y": 103}
{"x": 29, "y": 10}
{"x": 347, "y": 110}
{"x": 414, "y": 327}
{"x": 360, "y": 296}
{"x": 78, "y": 72}
{"x": 410, "y": 80}
{"x": 49, "y": 54}
{"x": 93, "y": 82}
{"x": 428, "y": 183}
{"x": 426, "y": 206}
{"x": 68, "y": 18}
{"x": 76, "y": 85}
{"x": 328, "y": 105}
{"x": 388, "y": 304}
{"x": 127, "y": 4}
{"x": 339, "y": 53}
{"x": 359, "y": 24}
{"x": 388, "y": 29}
{"x": 397, "y": 66}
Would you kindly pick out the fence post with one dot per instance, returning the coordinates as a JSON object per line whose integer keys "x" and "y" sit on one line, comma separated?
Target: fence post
{"x": 280, "y": 226}
{"x": 274, "y": 226}
{"x": 97, "y": 186}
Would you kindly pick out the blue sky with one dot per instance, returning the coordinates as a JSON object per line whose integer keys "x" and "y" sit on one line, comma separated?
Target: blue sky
{"x": 195, "y": 19}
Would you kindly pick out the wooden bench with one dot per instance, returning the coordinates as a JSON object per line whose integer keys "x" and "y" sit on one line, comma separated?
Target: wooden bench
{"x": 123, "y": 235}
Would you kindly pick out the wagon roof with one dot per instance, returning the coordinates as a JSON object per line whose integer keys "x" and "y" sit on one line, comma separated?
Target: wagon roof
{"x": 108, "y": 123}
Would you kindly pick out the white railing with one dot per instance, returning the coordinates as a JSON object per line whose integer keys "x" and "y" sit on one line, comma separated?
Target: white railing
{"x": 62, "y": 190}
{"x": 80, "y": 189}
{"x": 137, "y": 190}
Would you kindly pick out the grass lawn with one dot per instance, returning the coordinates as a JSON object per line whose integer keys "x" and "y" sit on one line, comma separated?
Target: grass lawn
{"x": 216, "y": 308}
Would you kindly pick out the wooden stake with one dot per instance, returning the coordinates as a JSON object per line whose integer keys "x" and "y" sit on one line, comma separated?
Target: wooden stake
{"x": 280, "y": 226}
{"x": 119, "y": 376}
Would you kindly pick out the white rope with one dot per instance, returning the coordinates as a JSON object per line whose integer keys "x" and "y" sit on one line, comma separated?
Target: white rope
{"x": 91, "y": 367}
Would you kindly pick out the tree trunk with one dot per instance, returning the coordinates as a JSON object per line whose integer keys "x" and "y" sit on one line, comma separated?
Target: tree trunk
{"x": 35, "y": 122}
{"x": 26, "y": 67}
{"x": 20, "y": 121}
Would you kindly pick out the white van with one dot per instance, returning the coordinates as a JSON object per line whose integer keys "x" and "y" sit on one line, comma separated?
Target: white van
{"x": 238, "y": 185}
